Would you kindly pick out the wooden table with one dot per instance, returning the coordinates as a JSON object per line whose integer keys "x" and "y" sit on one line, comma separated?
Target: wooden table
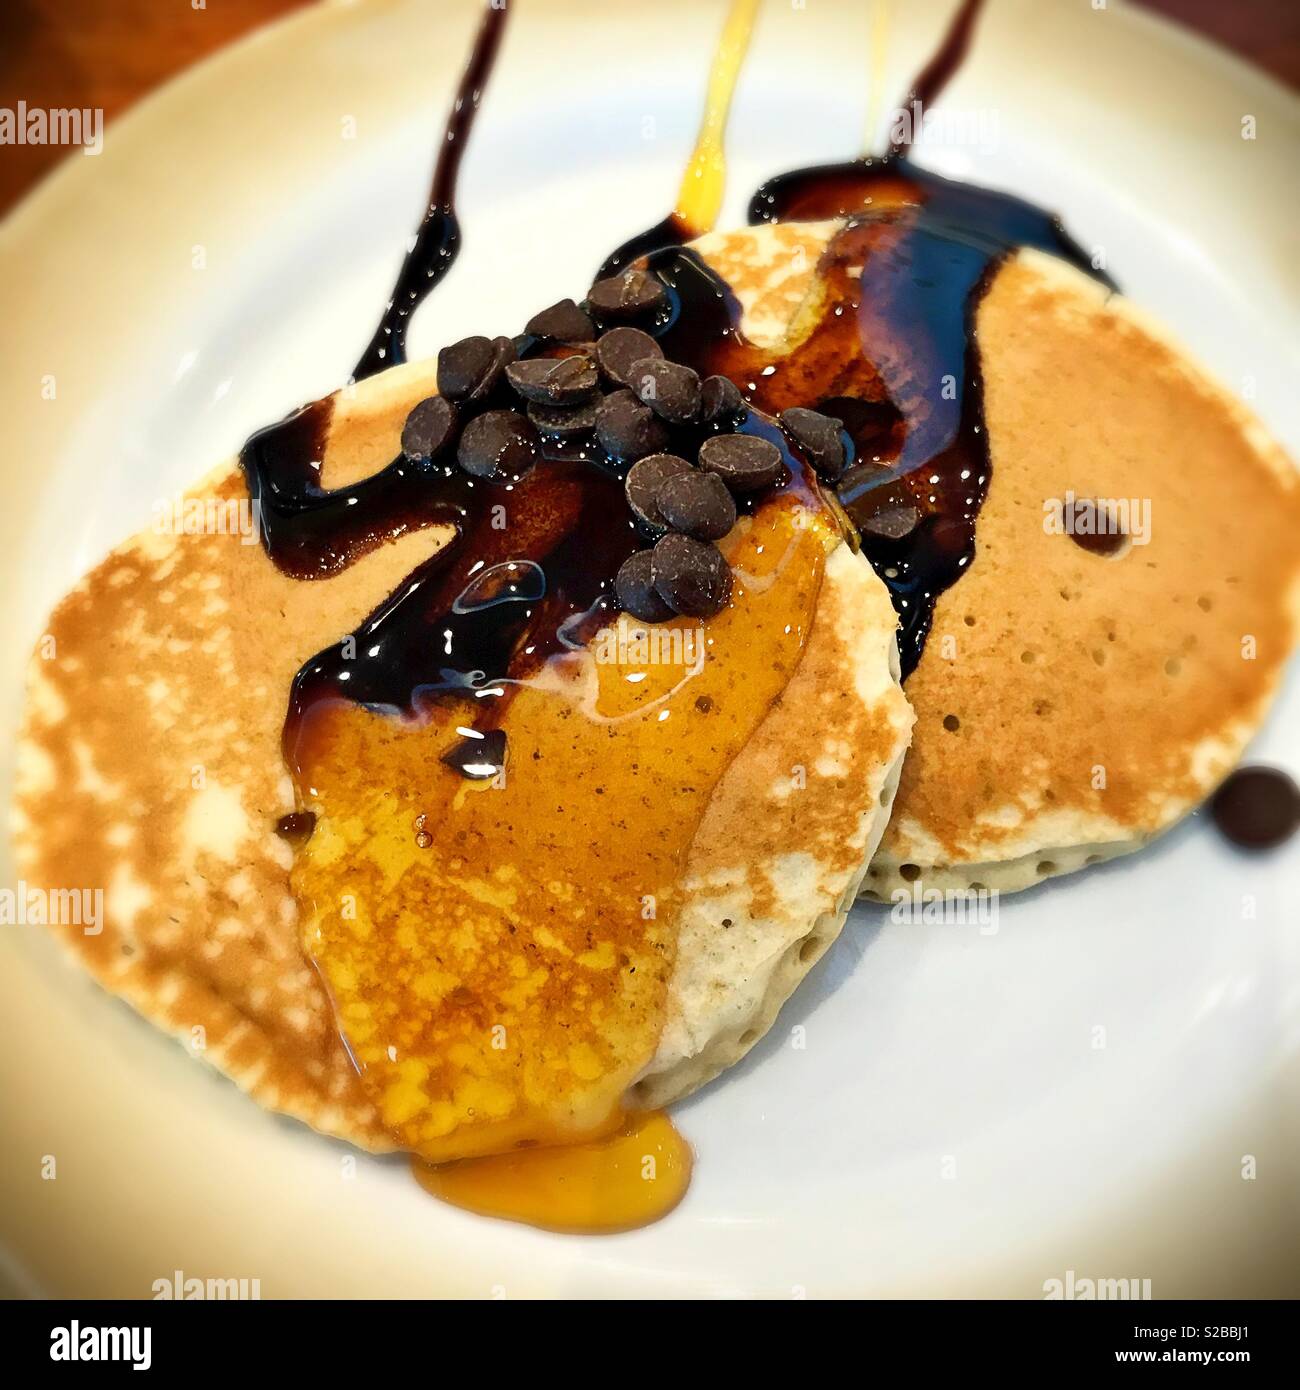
{"x": 108, "y": 53}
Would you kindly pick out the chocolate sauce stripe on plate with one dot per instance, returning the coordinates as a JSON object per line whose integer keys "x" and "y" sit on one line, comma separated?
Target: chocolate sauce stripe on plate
{"x": 437, "y": 242}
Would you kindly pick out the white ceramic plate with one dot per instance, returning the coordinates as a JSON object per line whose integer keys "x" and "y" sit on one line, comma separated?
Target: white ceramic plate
{"x": 950, "y": 1126}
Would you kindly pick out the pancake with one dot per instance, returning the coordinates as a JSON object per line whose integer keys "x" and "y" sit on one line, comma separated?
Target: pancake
{"x": 1071, "y": 703}
{"x": 150, "y": 764}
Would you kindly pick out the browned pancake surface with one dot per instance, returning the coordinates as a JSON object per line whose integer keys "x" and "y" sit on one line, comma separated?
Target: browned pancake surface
{"x": 1069, "y": 699}
{"x": 151, "y": 768}
{"x": 151, "y": 765}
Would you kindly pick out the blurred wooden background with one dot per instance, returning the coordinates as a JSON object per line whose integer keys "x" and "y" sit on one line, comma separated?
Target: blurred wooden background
{"x": 107, "y": 53}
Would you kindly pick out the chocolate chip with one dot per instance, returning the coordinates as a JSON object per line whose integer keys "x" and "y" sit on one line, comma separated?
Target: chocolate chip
{"x": 669, "y": 389}
{"x": 297, "y": 826}
{"x": 1095, "y": 528}
{"x": 461, "y": 365}
{"x": 643, "y": 484}
{"x": 1257, "y": 807}
{"x": 690, "y": 576}
{"x": 743, "y": 461}
{"x": 499, "y": 445}
{"x": 428, "y": 428}
{"x": 503, "y": 353}
{"x": 563, "y": 322}
{"x": 564, "y": 420}
{"x": 632, "y": 294}
{"x": 820, "y": 437}
{"x": 619, "y": 350}
{"x": 892, "y": 523}
{"x": 720, "y": 400}
{"x": 554, "y": 380}
{"x": 697, "y": 504}
{"x": 469, "y": 369}
{"x": 635, "y": 589}
{"x": 626, "y": 428}
{"x": 479, "y": 756}
{"x": 862, "y": 479}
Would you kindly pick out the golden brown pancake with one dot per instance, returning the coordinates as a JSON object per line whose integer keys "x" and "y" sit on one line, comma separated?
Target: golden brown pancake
{"x": 150, "y": 765}
{"x": 1073, "y": 704}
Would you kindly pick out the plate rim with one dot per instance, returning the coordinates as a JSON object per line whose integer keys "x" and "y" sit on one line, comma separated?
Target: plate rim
{"x": 134, "y": 124}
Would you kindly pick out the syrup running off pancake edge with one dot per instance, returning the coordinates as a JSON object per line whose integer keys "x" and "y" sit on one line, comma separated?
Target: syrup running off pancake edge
{"x": 423, "y": 891}
{"x": 900, "y": 284}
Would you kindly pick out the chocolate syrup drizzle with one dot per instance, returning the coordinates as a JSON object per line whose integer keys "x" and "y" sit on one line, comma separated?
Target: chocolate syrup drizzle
{"x": 496, "y": 602}
{"x": 948, "y": 57}
{"x": 930, "y": 248}
{"x": 672, "y": 231}
{"x": 438, "y": 240}
{"x": 901, "y": 371}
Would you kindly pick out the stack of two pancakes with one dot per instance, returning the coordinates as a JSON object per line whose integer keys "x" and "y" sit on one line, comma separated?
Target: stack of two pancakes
{"x": 1068, "y": 706}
